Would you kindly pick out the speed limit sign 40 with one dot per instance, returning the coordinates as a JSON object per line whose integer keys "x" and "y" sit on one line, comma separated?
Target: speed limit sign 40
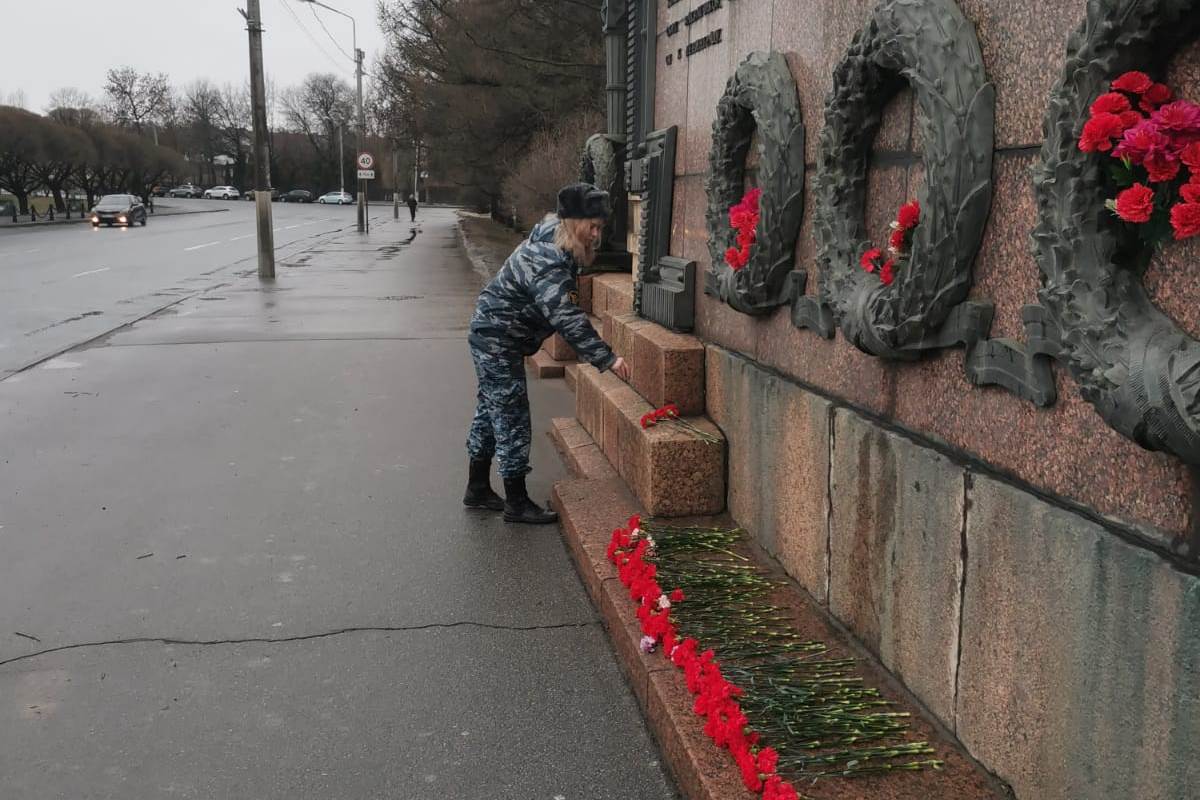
{"x": 365, "y": 160}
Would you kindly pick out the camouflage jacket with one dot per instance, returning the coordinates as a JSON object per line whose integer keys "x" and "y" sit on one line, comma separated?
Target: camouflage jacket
{"x": 532, "y": 296}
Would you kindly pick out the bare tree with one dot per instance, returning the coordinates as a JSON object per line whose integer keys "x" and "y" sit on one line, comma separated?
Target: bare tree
{"x": 137, "y": 99}
{"x": 234, "y": 123}
{"x": 20, "y": 151}
{"x": 317, "y": 109}
{"x": 476, "y": 79}
{"x": 16, "y": 98}
{"x": 65, "y": 151}
{"x": 201, "y": 115}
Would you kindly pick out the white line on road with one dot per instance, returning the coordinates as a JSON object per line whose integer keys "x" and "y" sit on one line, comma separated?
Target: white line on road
{"x": 90, "y": 272}
{"x": 198, "y": 246}
{"x": 289, "y": 227}
{"x": 239, "y": 238}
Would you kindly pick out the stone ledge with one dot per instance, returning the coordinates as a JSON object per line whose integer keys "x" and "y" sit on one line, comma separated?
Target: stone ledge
{"x": 558, "y": 348}
{"x": 585, "y": 292}
{"x": 589, "y": 509}
{"x": 542, "y": 365}
{"x": 672, "y": 473}
{"x": 579, "y": 452}
{"x": 571, "y": 375}
{"x": 667, "y": 367}
{"x": 612, "y": 293}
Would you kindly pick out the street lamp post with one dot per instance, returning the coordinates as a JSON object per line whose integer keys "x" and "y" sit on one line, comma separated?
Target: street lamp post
{"x": 362, "y": 120}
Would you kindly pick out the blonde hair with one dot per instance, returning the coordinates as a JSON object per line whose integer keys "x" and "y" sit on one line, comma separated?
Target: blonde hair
{"x": 571, "y": 237}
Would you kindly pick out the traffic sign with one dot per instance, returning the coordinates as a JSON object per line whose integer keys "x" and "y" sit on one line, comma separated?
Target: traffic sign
{"x": 365, "y": 160}
{"x": 366, "y": 174}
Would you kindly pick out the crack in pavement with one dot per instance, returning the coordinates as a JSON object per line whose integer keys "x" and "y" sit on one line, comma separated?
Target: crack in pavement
{"x": 302, "y": 637}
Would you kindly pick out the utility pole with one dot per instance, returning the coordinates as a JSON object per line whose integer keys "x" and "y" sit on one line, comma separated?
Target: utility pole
{"x": 341, "y": 161}
{"x": 262, "y": 165}
{"x": 362, "y": 141}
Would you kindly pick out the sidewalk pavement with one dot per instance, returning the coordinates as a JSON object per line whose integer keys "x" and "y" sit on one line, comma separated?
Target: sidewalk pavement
{"x": 234, "y": 561}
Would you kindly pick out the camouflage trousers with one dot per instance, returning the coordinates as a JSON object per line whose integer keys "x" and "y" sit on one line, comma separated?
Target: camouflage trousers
{"x": 501, "y": 426}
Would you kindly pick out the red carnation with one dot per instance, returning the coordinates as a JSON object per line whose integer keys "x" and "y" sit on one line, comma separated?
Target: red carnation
{"x": 1134, "y": 82}
{"x": 1190, "y": 192}
{"x": 1190, "y": 155}
{"x": 1185, "y": 219}
{"x": 868, "y": 259}
{"x": 749, "y": 771}
{"x": 1099, "y": 131}
{"x": 887, "y": 273}
{"x": 1136, "y": 203}
{"x": 1155, "y": 96}
{"x": 648, "y": 419}
{"x": 1110, "y": 103}
{"x": 896, "y": 242}
{"x": 909, "y": 215}
{"x": 767, "y": 759}
{"x": 1161, "y": 168}
{"x": 1130, "y": 118}
{"x": 676, "y": 595}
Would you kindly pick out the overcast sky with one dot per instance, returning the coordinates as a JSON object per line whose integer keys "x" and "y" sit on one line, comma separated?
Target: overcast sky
{"x": 51, "y": 44}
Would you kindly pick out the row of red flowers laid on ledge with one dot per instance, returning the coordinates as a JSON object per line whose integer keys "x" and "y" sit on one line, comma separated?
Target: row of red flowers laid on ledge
{"x": 716, "y": 697}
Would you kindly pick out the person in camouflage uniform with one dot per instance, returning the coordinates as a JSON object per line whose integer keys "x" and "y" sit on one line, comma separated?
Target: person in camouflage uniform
{"x": 534, "y": 295}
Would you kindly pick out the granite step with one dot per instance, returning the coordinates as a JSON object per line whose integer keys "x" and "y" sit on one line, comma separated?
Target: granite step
{"x": 589, "y": 509}
{"x": 667, "y": 367}
{"x": 571, "y": 375}
{"x": 612, "y": 293}
{"x": 558, "y": 348}
{"x": 543, "y": 365}
{"x": 579, "y": 451}
{"x": 672, "y": 472}
{"x": 585, "y": 292}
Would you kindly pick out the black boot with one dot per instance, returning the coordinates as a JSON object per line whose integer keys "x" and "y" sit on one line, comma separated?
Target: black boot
{"x": 479, "y": 488}
{"x": 519, "y": 508}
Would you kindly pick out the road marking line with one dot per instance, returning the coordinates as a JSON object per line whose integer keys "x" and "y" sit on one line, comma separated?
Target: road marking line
{"x": 289, "y": 227}
{"x": 90, "y": 272}
{"x": 239, "y": 238}
{"x": 197, "y": 247}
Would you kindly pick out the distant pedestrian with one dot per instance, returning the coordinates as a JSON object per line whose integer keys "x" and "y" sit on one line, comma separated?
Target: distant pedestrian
{"x": 412, "y": 207}
{"x": 534, "y": 295}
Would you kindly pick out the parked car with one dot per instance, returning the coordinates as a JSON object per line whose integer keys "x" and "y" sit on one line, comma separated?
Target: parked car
{"x": 249, "y": 194}
{"x": 339, "y": 197}
{"x": 223, "y": 192}
{"x": 185, "y": 190}
{"x": 118, "y": 209}
{"x": 298, "y": 196}
{"x": 159, "y": 191}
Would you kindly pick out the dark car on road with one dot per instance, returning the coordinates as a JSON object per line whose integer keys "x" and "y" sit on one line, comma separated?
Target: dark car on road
{"x": 118, "y": 209}
{"x": 185, "y": 190}
{"x": 248, "y": 194}
{"x": 298, "y": 196}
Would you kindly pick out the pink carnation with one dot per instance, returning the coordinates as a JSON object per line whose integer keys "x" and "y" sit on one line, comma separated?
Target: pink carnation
{"x": 1182, "y": 116}
{"x": 1142, "y": 140}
